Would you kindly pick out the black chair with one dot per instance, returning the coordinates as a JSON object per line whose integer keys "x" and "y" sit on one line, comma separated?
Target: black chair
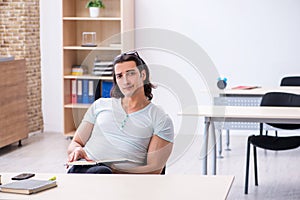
{"x": 163, "y": 172}
{"x": 286, "y": 81}
{"x": 97, "y": 91}
{"x": 273, "y": 142}
{"x": 290, "y": 81}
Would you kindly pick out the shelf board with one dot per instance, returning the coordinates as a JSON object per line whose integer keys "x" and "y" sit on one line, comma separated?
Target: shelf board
{"x": 89, "y": 77}
{"x": 77, "y": 105}
{"x": 93, "y": 18}
{"x": 92, "y": 48}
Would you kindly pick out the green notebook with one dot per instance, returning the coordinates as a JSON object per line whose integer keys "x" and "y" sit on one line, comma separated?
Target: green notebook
{"x": 27, "y": 186}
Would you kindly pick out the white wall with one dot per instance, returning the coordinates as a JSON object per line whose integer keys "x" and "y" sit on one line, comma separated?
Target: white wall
{"x": 251, "y": 42}
{"x": 51, "y": 61}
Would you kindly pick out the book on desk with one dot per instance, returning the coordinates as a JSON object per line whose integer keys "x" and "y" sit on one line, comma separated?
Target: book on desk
{"x": 27, "y": 186}
{"x": 244, "y": 87}
{"x": 104, "y": 161}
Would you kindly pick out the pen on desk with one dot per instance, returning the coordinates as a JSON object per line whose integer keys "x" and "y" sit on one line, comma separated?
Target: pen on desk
{"x": 52, "y": 178}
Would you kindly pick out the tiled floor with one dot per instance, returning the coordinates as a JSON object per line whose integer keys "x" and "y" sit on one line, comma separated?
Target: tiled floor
{"x": 279, "y": 174}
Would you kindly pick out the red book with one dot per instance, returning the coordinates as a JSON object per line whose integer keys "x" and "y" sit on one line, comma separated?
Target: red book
{"x": 245, "y": 87}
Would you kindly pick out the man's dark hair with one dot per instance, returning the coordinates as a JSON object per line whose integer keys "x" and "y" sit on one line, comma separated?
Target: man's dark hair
{"x": 141, "y": 65}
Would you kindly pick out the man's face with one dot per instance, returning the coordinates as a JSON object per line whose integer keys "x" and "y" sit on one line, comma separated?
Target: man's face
{"x": 129, "y": 78}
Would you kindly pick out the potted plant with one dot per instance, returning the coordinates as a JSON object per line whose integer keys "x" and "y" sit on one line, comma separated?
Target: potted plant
{"x": 94, "y": 7}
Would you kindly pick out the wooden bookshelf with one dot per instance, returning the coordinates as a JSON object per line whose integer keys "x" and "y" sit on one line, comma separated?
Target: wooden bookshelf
{"x": 116, "y": 19}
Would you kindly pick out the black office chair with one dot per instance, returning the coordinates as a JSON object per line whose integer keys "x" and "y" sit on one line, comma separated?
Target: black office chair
{"x": 163, "y": 172}
{"x": 98, "y": 90}
{"x": 273, "y": 142}
{"x": 290, "y": 81}
{"x": 286, "y": 81}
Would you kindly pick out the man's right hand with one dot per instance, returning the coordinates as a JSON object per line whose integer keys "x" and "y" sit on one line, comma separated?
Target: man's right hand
{"x": 77, "y": 154}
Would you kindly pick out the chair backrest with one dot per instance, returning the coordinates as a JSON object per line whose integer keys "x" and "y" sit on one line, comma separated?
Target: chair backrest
{"x": 163, "y": 172}
{"x": 97, "y": 92}
{"x": 281, "y": 99}
{"x": 290, "y": 81}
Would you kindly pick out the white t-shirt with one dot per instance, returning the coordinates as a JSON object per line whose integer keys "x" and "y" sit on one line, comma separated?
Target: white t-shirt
{"x": 117, "y": 134}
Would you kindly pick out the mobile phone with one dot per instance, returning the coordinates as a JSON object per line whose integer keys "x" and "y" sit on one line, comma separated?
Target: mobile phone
{"x": 23, "y": 176}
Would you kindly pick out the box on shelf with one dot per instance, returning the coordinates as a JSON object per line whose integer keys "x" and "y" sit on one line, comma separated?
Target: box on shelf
{"x": 89, "y": 39}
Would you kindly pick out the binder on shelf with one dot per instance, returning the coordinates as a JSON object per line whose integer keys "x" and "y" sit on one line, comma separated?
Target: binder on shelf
{"x": 105, "y": 90}
{"x": 85, "y": 91}
{"x": 92, "y": 89}
{"x": 73, "y": 91}
{"x": 79, "y": 91}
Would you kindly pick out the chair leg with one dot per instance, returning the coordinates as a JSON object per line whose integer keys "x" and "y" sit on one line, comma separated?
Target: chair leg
{"x": 261, "y": 128}
{"x": 247, "y": 166}
{"x": 255, "y": 165}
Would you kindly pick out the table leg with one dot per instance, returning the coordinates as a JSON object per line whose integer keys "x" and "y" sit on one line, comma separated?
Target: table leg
{"x": 220, "y": 147}
{"x": 214, "y": 149}
{"x": 227, "y": 140}
{"x": 204, "y": 146}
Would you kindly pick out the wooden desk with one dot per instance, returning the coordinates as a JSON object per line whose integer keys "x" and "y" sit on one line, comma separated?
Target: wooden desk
{"x": 238, "y": 114}
{"x": 129, "y": 187}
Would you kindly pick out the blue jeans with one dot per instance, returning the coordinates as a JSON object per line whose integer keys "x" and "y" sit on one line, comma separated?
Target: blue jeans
{"x": 87, "y": 169}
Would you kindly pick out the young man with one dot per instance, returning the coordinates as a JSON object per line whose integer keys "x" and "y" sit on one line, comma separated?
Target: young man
{"x": 127, "y": 125}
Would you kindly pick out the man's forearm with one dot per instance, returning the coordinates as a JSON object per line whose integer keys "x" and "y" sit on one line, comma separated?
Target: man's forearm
{"x": 81, "y": 136}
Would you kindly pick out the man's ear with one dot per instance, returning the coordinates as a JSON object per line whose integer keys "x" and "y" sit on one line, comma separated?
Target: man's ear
{"x": 143, "y": 75}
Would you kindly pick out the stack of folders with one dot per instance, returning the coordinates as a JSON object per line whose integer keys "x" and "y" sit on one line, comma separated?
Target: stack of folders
{"x": 27, "y": 186}
{"x": 102, "y": 68}
{"x": 83, "y": 90}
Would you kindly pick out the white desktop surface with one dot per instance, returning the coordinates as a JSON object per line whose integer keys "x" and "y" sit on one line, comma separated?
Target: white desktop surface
{"x": 261, "y": 91}
{"x": 129, "y": 187}
{"x": 248, "y": 113}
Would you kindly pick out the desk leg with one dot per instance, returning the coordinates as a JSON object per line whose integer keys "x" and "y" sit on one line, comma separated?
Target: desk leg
{"x": 214, "y": 148}
{"x": 227, "y": 140}
{"x": 220, "y": 143}
{"x": 204, "y": 146}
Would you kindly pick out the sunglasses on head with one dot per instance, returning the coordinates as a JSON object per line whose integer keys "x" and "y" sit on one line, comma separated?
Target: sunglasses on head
{"x": 129, "y": 53}
{"x": 135, "y": 53}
